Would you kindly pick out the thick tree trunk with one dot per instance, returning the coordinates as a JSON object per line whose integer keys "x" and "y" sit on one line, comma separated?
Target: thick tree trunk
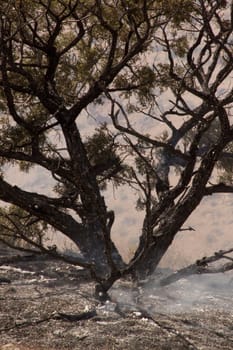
{"x": 146, "y": 263}
{"x": 103, "y": 256}
{"x": 156, "y": 241}
{"x": 98, "y": 253}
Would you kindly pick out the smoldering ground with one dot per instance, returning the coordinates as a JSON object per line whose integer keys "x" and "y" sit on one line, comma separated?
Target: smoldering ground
{"x": 192, "y": 313}
{"x": 194, "y": 293}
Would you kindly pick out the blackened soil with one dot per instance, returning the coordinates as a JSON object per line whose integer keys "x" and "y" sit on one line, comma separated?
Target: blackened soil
{"x": 41, "y": 291}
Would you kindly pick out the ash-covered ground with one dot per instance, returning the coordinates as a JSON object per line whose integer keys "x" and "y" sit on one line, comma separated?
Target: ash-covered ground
{"x": 50, "y": 305}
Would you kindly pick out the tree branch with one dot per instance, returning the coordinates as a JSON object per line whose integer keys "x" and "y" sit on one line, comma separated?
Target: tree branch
{"x": 44, "y": 208}
{"x": 218, "y": 188}
{"x": 201, "y": 267}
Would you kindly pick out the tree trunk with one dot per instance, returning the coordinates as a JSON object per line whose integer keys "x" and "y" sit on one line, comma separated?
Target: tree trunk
{"x": 158, "y": 244}
{"x": 98, "y": 251}
{"x": 155, "y": 242}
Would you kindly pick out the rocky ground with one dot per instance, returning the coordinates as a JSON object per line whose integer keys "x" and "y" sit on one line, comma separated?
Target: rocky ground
{"x": 50, "y": 305}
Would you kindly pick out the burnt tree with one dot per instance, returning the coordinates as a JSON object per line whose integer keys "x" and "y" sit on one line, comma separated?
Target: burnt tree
{"x": 61, "y": 61}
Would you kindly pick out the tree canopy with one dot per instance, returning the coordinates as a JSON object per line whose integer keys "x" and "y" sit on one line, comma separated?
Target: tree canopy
{"x": 155, "y": 78}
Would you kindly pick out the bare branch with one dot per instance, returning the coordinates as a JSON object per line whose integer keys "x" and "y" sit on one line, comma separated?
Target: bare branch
{"x": 201, "y": 267}
{"x": 219, "y": 188}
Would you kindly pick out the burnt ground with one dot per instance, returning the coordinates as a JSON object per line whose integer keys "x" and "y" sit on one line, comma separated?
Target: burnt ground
{"x": 50, "y": 305}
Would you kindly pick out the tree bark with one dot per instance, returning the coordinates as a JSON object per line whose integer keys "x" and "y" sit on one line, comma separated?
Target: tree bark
{"x": 156, "y": 242}
{"x": 89, "y": 237}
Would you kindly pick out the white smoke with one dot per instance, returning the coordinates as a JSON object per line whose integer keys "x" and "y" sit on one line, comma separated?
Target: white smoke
{"x": 194, "y": 293}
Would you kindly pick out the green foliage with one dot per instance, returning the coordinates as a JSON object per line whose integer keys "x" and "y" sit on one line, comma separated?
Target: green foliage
{"x": 104, "y": 155}
{"x": 145, "y": 79}
{"x": 179, "y": 11}
{"x": 166, "y": 81}
{"x": 101, "y": 146}
{"x": 180, "y": 45}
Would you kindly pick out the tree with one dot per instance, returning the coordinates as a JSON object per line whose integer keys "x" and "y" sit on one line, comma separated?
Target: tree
{"x": 66, "y": 59}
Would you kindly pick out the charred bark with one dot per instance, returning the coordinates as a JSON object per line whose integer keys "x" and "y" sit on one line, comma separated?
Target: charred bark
{"x": 89, "y": 236}
{"x": 168, "y": 217}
